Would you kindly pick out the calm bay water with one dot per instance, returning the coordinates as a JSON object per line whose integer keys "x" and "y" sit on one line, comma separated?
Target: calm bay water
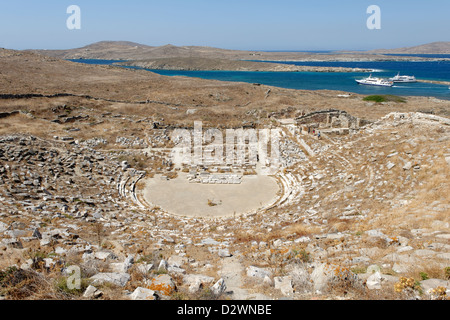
{"x": 424, "y": 70}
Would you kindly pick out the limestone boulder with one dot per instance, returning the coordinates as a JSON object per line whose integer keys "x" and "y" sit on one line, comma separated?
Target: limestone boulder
{"x": 255, "y": 272}
{"x": 326, "y": 276}
{"x": 118, "y": 279}
{"x": 163, "y": 284}
{"x": 284, "y": 284}
{"x": 143, "y": 294}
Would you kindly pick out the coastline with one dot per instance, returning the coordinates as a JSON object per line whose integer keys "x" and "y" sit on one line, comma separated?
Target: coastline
{"x": 207, "y": 64}
{"x": 446, "y": 83}
{"x": 252, "y": 71}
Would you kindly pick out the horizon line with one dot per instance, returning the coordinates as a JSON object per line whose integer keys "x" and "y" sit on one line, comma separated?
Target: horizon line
{"x": 224, "y": 48}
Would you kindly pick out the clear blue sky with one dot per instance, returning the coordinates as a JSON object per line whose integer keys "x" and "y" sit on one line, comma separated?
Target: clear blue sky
{"x": 232, "y": 24}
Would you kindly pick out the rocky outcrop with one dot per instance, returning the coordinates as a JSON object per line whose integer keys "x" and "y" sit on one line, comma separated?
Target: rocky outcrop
{"x": 201, "y": 64}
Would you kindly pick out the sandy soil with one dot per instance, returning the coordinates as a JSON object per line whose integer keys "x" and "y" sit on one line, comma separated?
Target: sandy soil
{"x": 179, "y": 197}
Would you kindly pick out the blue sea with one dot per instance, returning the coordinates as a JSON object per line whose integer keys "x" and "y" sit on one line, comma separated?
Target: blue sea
{"x": 423, "y": 70}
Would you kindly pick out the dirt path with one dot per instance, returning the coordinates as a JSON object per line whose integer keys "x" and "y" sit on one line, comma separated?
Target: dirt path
{"x": 231, "y": 273}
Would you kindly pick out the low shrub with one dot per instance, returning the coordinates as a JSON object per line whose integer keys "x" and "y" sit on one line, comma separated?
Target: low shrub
{"x": 384, "y": 98}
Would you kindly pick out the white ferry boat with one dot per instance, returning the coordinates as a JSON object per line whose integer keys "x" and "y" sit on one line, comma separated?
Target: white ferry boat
{"x": 399, "y": 78}
{"x": 375, "y": 82}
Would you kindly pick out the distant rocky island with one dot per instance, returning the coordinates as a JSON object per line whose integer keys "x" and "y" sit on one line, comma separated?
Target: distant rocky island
{"x": 430, "y": 48}
{"x": 198, "y": 64}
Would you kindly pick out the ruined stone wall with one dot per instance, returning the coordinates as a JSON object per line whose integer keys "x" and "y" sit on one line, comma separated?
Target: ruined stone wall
{"x": 332, "y": 118}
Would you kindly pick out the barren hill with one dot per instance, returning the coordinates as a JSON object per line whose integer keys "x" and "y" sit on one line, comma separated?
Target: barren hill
{"x": 429, "y": 48}
{"x": 108, "y": 50}
{"x": 122, "y": 50}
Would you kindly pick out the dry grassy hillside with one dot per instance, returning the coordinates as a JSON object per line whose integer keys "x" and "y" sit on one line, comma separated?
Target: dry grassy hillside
{"x": 28, "y": 73}
{"x": 358, "y": 215}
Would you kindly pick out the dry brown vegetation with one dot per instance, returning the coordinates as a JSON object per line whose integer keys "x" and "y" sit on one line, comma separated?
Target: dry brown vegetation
{"x": 115, "y": 109}
{"x": 216, "y": 103}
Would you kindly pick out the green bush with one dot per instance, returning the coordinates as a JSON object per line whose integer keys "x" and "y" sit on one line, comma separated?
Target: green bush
{"x": 424, "y": 276}
{"x": 375, "y": 99}
{"x": 384, "y": 98}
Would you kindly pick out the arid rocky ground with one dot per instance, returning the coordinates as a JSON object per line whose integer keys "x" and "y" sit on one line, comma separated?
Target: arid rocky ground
{"x": 363, "y": 215}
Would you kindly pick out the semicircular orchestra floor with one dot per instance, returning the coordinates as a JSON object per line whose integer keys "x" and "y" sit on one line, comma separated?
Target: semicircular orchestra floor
{"x": 179, "y": 197}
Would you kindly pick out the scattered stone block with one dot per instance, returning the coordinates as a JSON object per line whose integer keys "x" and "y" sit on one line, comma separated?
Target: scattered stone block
{"x": 145, "y": 268}
{"x": 284, "y": 284}
{"x": 196, "y": 281}
{"x": 162, "y": 284}
{"x": 143, "y": 294}
{"x": 219, "y": 287}
{"x": 92, "y": 292}
{"x": 224, "y": 253}
{"x": 255, "y": 272}
{"x": 407, "y": 166}
{"x": 104, "y": 255}
{"x": 118, "y": 279}
{"x": 3, "y": 227}
{"x": 13, "y": 243}
{"x": 326, "y": 275}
